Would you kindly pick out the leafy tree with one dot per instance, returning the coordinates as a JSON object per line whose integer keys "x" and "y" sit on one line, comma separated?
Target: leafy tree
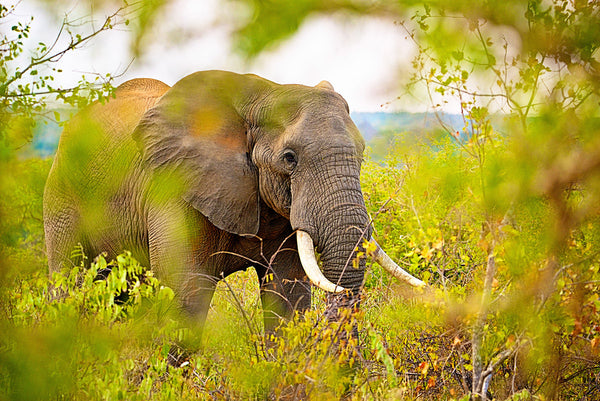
{"x": 27, "y": 74}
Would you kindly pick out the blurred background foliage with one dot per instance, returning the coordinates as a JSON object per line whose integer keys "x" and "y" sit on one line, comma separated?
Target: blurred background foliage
{"x": 499, "y": 215}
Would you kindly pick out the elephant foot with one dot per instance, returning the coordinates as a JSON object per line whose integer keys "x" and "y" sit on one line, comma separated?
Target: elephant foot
{"x": 123, "y": 296}
{"x": 341, "y": 306}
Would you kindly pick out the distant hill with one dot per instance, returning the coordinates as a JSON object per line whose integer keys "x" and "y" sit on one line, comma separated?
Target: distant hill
{"x": 375, "y": 127}
{"x": 45, "y": 140}
{"x": 371, "y": 125}
{"x": 381, "y": 130}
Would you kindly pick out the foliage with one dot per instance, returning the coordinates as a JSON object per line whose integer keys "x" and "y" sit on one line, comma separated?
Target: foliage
{"x": 498, "y": 215}
{"x": 531, "y": 85}
{"x": 27, "y": 73}
{"x": 75, "y": 335}
{"x": 428, "y": 214}
{"x": 410, "y": 345}
{"x": 22, "y": 229}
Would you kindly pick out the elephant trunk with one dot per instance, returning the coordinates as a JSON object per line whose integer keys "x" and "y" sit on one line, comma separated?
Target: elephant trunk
{"x": 344, "y": 233}
{"x": 331, "y": 209}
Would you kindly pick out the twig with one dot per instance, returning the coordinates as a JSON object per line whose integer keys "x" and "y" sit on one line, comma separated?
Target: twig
{"x": 243, "y": 312}
{"x": 45, "y": 58}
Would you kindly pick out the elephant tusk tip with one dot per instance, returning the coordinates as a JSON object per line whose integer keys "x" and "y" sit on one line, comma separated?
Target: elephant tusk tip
{"x": 391, "y": 267}
{"x": 338, "y": 289}
{"x": 328, "y": 286}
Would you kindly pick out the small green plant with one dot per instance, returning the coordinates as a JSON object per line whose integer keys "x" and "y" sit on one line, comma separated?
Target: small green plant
{"x": 85, "y": 332}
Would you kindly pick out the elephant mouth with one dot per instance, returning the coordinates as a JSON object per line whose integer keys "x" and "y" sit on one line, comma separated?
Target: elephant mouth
{"x": 306, "y": 251}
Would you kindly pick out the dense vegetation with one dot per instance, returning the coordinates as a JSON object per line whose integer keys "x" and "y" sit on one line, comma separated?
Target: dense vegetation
{"x": 93, "y": 344}
{"x": 500, "y": 218}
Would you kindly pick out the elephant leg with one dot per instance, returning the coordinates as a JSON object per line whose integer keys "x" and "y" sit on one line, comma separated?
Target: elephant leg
{"x": 283, "y": 287}
{"x": 280, "y": 300}
{"x": 174, "y": 236}
{"x": 62, "y": 234}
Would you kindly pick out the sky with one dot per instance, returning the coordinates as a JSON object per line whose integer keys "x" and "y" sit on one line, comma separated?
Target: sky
{"x": 364, "y": 59}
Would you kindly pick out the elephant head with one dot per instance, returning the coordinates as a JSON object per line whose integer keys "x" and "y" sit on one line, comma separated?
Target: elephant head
{"x": 240, "y": 143}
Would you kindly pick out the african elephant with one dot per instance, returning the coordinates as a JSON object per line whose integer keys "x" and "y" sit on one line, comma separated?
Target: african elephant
{"x": 214, "y": 175}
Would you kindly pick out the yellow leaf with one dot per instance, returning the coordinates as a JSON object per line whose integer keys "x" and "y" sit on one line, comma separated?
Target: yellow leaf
{"x": 427, "y": 253}
{"x": 424, "y": 368}
{"x": 369, "y": 246}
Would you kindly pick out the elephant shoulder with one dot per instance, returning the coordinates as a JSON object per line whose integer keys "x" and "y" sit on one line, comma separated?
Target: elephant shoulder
{"x": 117, "y": 117}
{"x": 103, "y": 129}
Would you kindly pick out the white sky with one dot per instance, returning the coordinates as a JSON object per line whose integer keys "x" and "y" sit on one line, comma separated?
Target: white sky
{"x": 362, "y": 58}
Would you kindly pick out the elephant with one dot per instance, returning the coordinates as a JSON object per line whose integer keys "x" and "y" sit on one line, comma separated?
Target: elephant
{"x": 218, "y": 173}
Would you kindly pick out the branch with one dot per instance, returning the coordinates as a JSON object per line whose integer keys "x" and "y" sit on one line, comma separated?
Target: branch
{"x": 46, "y": 92}
{"x": 501, "y": 357}
{"x": 479, "y": 374}
{"x": 75, "y": 44}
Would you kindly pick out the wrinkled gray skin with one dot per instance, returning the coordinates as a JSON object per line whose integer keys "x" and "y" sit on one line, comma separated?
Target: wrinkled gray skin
{"x": 210, "y": 177}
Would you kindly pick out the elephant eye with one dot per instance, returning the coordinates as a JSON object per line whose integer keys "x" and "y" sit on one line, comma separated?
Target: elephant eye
{"x": 289, "y": 156}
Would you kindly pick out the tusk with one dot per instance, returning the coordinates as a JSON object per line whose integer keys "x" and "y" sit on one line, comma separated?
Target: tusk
{"x": 306, "y": 250}
{"x": 388, "y": 264}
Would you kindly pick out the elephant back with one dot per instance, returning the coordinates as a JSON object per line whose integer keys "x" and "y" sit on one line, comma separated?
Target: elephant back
{"x": 142, "y": 88}
{"x": 97, "y": 141}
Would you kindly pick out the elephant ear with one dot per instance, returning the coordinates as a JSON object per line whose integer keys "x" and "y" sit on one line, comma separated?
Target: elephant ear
{"x": 325, "y": 85}
{"x": 196, "y": 133}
